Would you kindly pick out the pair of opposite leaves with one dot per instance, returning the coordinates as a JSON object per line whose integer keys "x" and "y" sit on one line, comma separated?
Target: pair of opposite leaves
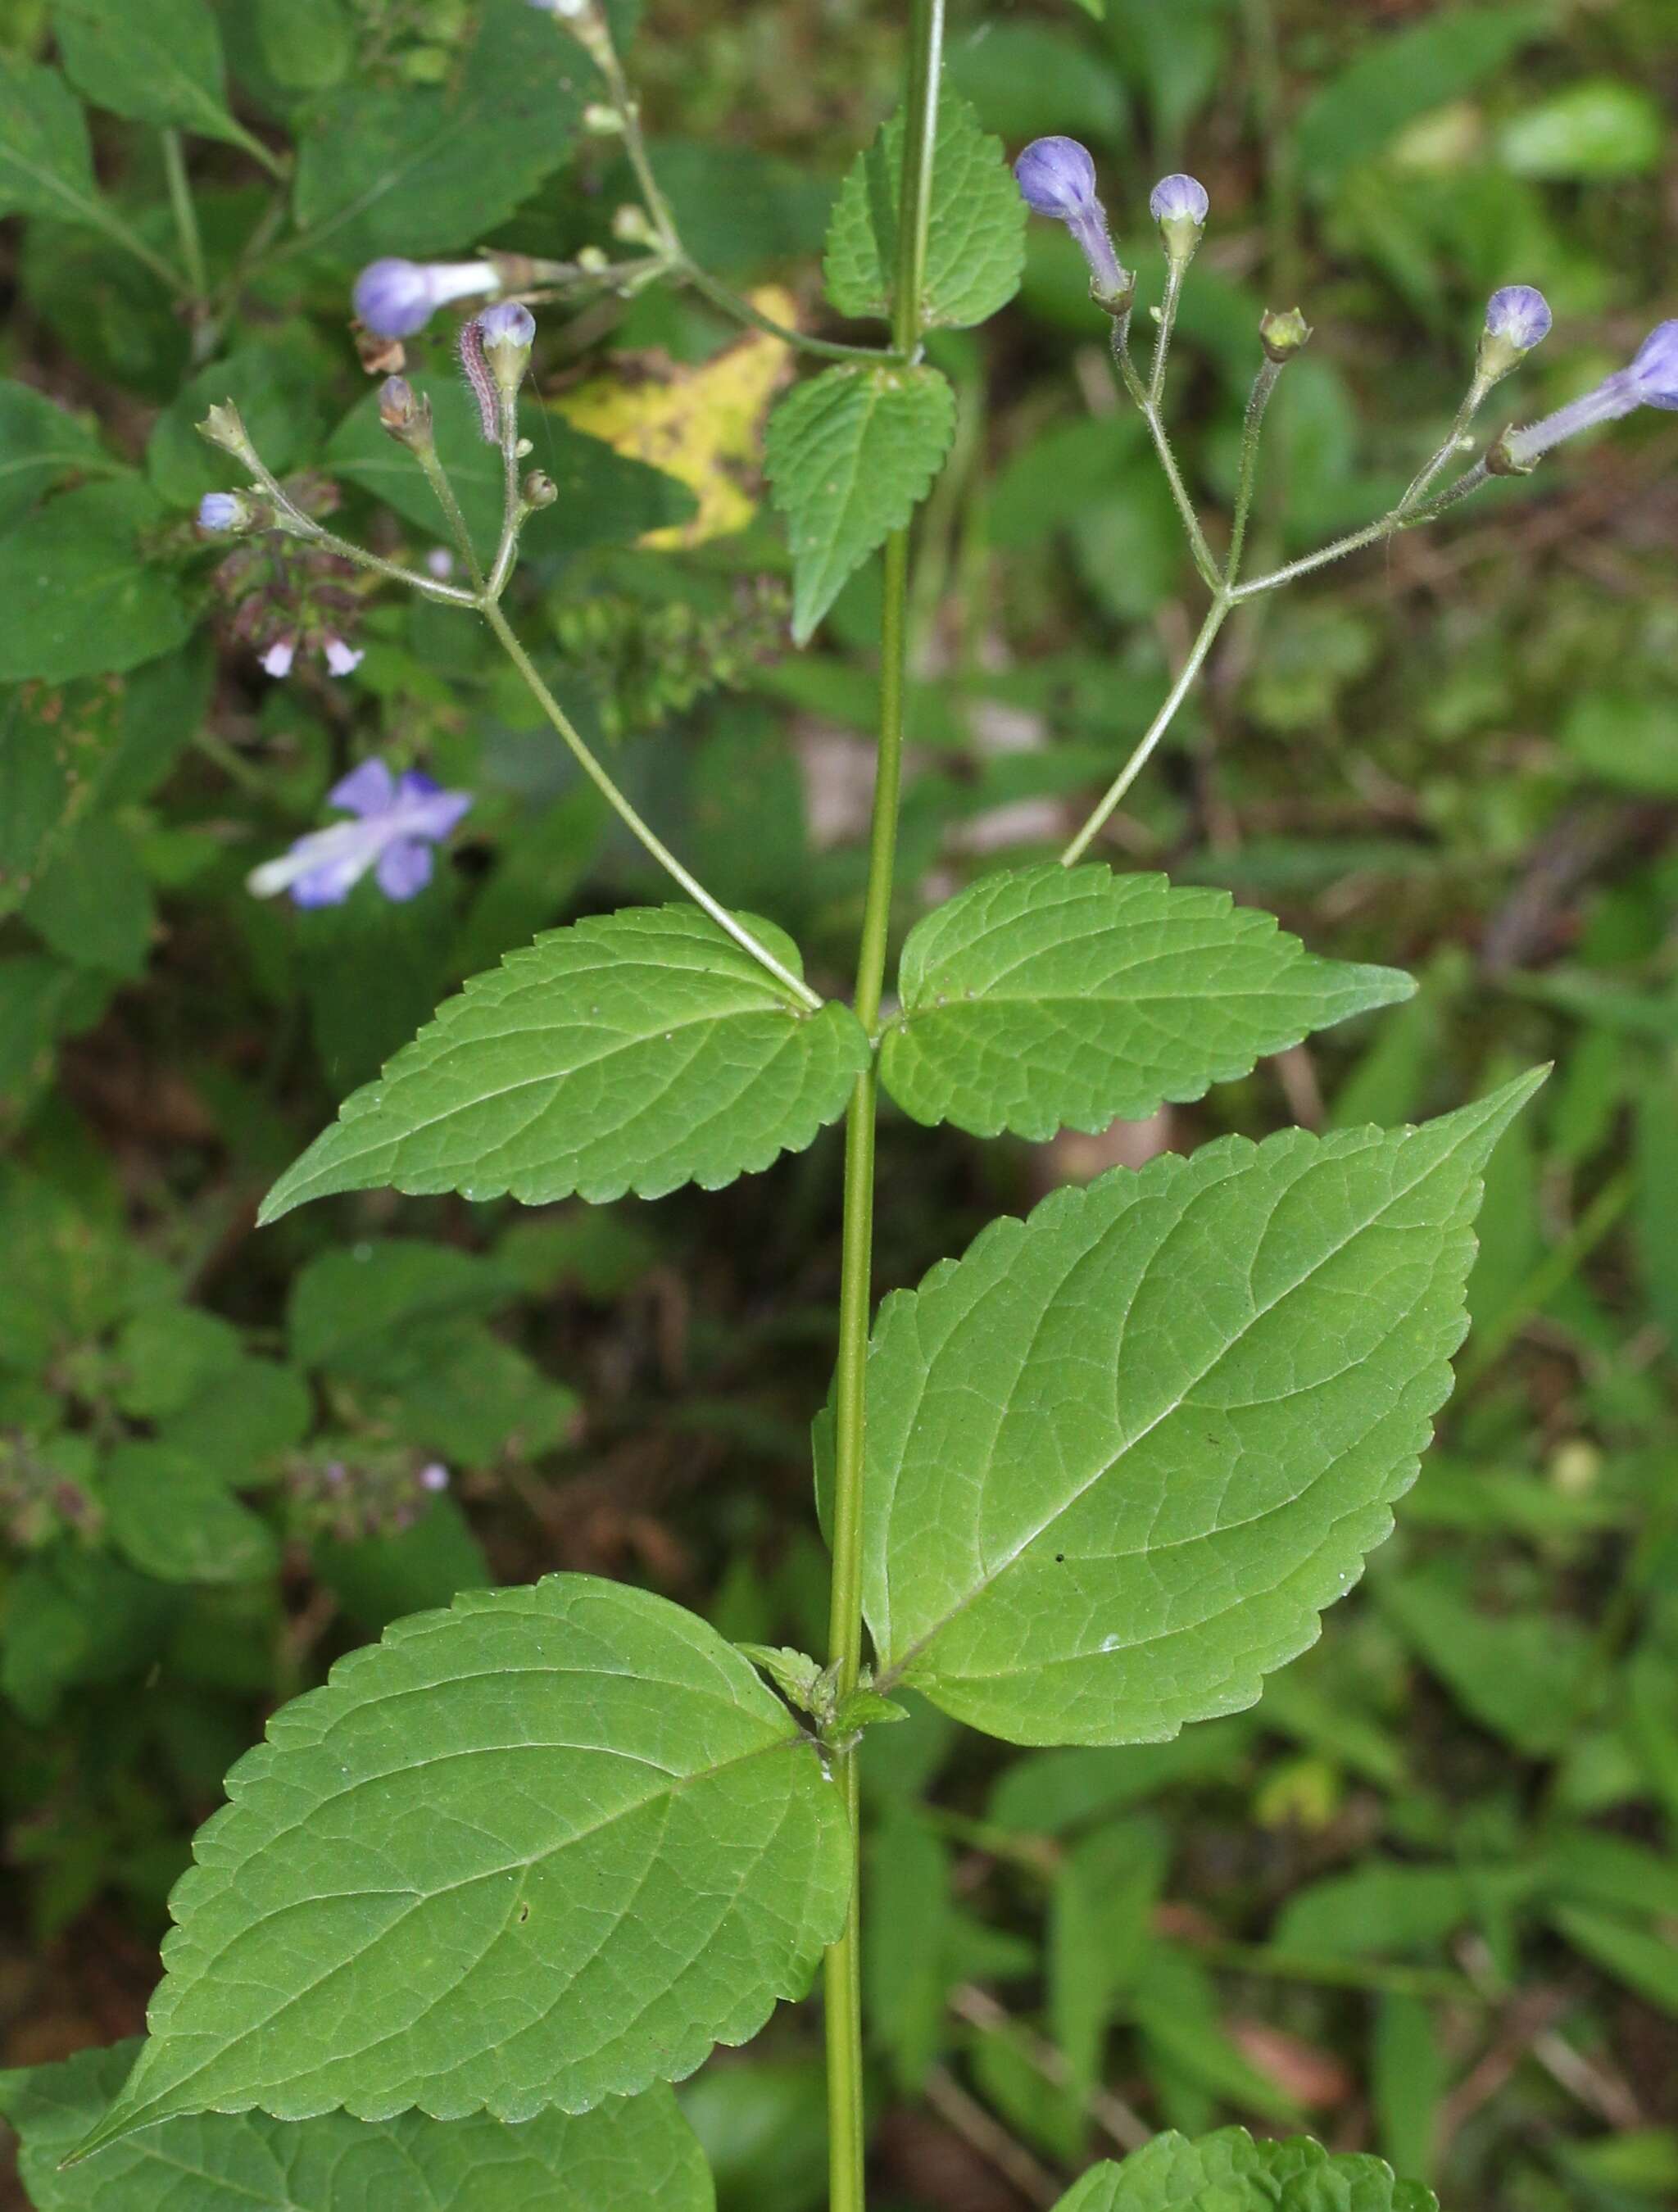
{"x": 548, "y": 1847}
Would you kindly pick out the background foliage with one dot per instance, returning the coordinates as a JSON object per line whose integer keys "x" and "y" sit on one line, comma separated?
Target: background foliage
{"x": 1423, "y": 1896}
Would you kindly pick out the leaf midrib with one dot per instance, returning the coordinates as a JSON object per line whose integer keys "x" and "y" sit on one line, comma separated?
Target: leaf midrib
{"x": 897, "y": 1669}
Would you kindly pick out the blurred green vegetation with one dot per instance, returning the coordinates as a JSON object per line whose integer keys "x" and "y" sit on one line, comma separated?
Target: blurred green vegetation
{"x": 1424, "y": 1898}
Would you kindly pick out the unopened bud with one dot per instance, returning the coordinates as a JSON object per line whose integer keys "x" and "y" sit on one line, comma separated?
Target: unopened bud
{"x": 630, "y": 227}
{"x": 508, "y": 331}
{"x": 1516, "y": 319}
{"x": 601, "y": 120}
{"x": 1057, "y": 178}
{"x": 223, "y": 511}
{"x": 592, "y": 261}
{"x": 223, "y": 427}
{"x": 538, "y": 489}
{"x": 1283, "y": 332}
{"x": 1179, "y": 205}
{"x": 403, "y": 413}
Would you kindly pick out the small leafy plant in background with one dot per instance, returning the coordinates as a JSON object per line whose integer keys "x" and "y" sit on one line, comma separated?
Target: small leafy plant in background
{"x": 475, "y": 1903}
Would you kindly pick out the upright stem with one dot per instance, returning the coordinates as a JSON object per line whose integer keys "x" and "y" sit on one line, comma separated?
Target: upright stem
{"x": 1168, "y": 460}
{"x": 185, "y": 214}
{"x": 847, "y": 2132}
{"x": 1264, "y": 384}
{"x": 1465, "y": 415}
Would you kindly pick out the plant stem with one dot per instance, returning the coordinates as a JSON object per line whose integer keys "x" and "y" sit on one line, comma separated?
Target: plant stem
{"x": 1162, "y": 444}
{"x": 811, "y": 1000}
{"x": 1216, "y": 616}
{"x": 1465, "y": 415}
{"x": 1264, "y": 384}
{"x": 1388, "y": 527}
{"x": 690, "y": 272}
{"x": 437, "y": 476}
{"x": 847, "y": 2127}
{"x": 512, "y": 503}
{"x": 1168, "y": 316}
{"x": 185, "y": 214}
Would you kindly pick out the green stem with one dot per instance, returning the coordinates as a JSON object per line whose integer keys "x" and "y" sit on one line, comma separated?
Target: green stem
{"x": 1216, "y": 615}
{"x": 437, "y": 476}
{"x": 1162, "y": 445}
{"x": 512, "y": 502}
{"x": 626, "y": 813}
{"x": 185, "y": 214}
{"x": 1388, "y": 527}
{"x": 1168, "y": 316}
{"x": 1264, "y": 384}
{"x": 742, "y": 311}
{"x": 847, "y": 2127}
{"x": 1465, "y": 415}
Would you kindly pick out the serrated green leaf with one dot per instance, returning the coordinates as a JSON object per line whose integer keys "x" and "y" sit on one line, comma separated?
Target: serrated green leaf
{"x": 1157, "y": 1427}
{"x": 46, "y": 162}
{"x": 849, "y": 455}
{"x": 177, "y": 1521}
{"x": 39, "y": 443}
{"x": 348, "y": 1303}
{"x": 1043, "y": 999}
{"x": 78, "y": 599}
{"x": 975, "y": 235}
{"x": 418, "y": 170}
{"x": 1229, "y": 2173}
{"x": 634, "y": 1051}
{"x": 636, "y": 2155}
{"x": 543, "y": 1849}
{"x": 160, "y": 63}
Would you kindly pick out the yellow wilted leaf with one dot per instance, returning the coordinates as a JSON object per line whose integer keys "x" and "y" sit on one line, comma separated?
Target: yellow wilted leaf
{"x": 700, "y": 425}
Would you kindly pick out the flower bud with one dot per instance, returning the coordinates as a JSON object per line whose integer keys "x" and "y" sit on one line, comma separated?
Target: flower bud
{"x": 1283, "y": 332}
{"x": 1655, "y": 370}
{"x": 403, "y": 413}
{"x": 538, "y": 489}
{"x": 276, "y": 660}
{"x": 630, "y": 227}
{"x": 223, "y": 427}
{"x": 1179, "y": 205}
{"x": 1057, "y": 178}
{"x": 506, "y": 333}
{"x": 224, "y": 510}
{"x": 1516, "y": 318}
{"x": 396, "y": 297}
{"x": 601, "y": 120}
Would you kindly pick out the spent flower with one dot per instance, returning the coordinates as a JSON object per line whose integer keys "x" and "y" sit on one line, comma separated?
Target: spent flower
{"x": 396, "y": 297}
{"x": 1057, "y": 177}
{"x": 395, "y": 823}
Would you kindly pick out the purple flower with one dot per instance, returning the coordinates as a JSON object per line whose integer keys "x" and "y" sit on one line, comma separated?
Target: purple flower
{"x": 1651, "y": 380}
{"x": 1519, "y": 315}
{"x": 342, "y": 659}
{"x": 508, "y": 322}
{"x": 397, "y": 821}
{"x": 278, "y": 658}
{"x": 395, "y": 298}
{"x": 434, "y": 1477}
{"x": 1655, "y": 370}
{"x": 221, "y": 510}
{"x": 1057, "y": 177}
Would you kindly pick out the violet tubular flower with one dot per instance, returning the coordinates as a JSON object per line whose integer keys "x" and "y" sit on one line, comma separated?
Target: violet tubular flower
{"x": 1650, "y": 380}
{"x": 395, "y": 298}
{"x": 1057, "y": 177}
{"x": 1180, "y": 206}
{"x": 396, "y": 821}
{"x": 1518, "y": 318}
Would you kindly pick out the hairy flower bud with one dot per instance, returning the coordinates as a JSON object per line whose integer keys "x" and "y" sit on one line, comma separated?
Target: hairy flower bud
{"x": 506, "y": 331}
{"x": 1283, "y": 332}
{"x": 405, "y": 415}
{"x": 396, "y": 297}
{"x": 539, "y": 490}
{"x": 1179, "y": 205}
{"x": 1516, "y": 318}
{"x": 1057, "y": 178}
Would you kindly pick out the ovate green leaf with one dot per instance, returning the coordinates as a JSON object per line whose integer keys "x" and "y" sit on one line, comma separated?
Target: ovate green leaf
{"x": 1229, "y": 2173}
{"x": 39, "y": 443}
{"x": 1043, "y": 999}
{"x": 158, "y": 62}
{"x": 176, "y": 1520}
{"x": 976, "y": 238}
{"x": 421, "y": 170}
{"x": 636, "y": 2154}
{"x": 47, "y": 163}
{"x": 849, "y": 455}
{"x": 1123, "y": 1454}
{"x": 543, "y": 1849}
{"x": 634, "y": 1052}
{"x": 78, "y": 598}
